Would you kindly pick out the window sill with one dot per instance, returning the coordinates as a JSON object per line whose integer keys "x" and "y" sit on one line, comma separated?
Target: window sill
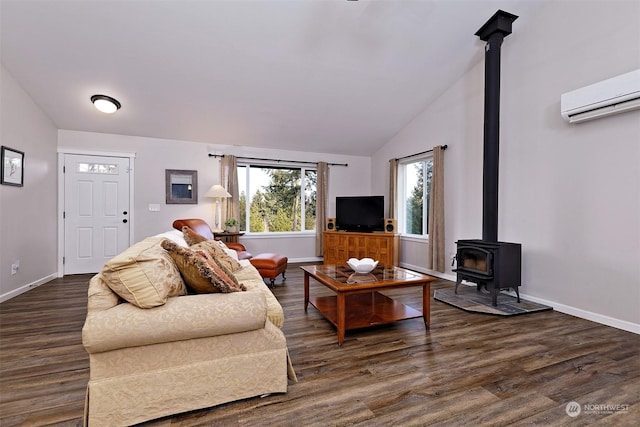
{"x": 414, "y": 238}
{"x": 280, "y": 234}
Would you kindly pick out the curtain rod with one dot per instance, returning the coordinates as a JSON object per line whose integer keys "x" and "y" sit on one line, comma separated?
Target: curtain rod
{"x": 280, "y": 160}
{"x": 444, "y": 147}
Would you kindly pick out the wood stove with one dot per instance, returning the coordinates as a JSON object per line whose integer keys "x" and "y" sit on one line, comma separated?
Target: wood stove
{"x": 491, "y": 264}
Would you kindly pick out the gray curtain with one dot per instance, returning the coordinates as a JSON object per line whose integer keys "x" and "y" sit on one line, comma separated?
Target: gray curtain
{"x": 393, "y": 188}
{"x": 322, "y": 189}
{"x": 436, "y": 213}
{"x": 229, "y": 180}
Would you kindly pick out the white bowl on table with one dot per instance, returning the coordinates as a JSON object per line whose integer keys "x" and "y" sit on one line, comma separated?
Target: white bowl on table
{"x": 362, "y": 266}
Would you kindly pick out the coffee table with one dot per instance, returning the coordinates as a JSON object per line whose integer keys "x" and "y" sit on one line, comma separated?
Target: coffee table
{"x": 357, "y": 302}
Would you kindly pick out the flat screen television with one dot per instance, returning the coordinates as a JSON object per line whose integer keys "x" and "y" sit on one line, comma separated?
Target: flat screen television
{"x": 360, "y": 213}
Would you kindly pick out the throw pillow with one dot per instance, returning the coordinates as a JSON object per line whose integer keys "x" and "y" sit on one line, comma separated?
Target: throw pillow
{"x": 144, "y": 274}
{"x": 214, "y": 251}
{"x": 174, "y": 235}
{"x": 198, "y": 275}
{"x": 191, "y": 237}
{"x": 228, "y": 272}
{"x": 223, "y": 272}
{"x": 227, "y": 250}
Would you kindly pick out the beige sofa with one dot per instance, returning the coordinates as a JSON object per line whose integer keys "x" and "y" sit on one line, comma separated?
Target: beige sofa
{"x": 186, "y": 352}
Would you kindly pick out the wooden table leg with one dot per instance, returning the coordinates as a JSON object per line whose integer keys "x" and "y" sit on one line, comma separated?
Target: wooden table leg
{"x": 426, "y": 303}
{"x": 341, "y": 316}
{"x": 306, "y": 290}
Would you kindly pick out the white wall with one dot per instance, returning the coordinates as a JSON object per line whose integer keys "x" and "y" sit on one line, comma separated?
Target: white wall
{"x": 154, "y": 155}
{"x": 28, "y": 213}
{"x": 569, "y": 193}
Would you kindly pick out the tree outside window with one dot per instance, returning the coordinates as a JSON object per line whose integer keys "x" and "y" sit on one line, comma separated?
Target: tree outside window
{"x": 277, "y": 199}
{"x": 415, "y": 197}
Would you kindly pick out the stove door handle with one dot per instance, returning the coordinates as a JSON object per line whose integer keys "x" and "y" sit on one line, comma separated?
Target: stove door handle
{"x": 453, "y": 260}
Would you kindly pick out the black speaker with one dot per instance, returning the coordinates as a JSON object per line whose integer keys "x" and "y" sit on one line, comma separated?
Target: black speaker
{"x": 331, "y": 224}
{"x": 389, "y": 225}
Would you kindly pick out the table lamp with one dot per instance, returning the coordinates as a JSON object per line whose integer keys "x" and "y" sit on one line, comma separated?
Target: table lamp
{"x": 217, "y": 192}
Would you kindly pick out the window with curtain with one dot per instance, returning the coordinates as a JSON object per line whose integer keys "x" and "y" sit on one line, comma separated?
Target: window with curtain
{"x": 277, "y": 198}
{"x": 414, "y": 188}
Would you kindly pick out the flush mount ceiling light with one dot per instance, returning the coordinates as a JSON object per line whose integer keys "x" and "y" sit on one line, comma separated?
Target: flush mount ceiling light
{"x": 105, "y": 103}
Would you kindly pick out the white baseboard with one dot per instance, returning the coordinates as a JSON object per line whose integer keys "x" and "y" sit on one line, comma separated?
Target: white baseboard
{"x": 562, "y": 308}
{"x": 587, "y": 315}
{"x": 22, "y": 289}
{"x": 308, "y": 259}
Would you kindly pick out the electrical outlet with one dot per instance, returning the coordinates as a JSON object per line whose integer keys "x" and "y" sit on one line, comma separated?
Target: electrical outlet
{"x": 15, "y": 267}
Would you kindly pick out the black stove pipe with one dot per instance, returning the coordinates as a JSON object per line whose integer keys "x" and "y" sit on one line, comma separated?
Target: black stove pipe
{"x": 493, "y": 32}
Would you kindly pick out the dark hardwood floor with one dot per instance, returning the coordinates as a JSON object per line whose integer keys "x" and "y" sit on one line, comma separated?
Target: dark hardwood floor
{"x": 468, "y": 369}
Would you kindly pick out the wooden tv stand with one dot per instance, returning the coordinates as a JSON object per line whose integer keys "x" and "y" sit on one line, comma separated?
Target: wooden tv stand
{"x": 339, "y": 246}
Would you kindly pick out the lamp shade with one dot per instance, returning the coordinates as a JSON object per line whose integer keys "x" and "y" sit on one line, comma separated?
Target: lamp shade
{"x": 217, "y": 191}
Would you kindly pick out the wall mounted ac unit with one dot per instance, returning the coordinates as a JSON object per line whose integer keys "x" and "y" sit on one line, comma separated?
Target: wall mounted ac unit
{"x": 612, "y": 96}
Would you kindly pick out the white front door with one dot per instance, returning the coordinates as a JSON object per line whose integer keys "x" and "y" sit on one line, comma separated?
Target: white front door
{"x": 96, "y": 211}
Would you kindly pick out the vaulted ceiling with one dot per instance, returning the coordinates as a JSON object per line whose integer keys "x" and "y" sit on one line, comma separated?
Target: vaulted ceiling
{"x": 330, "y": 76}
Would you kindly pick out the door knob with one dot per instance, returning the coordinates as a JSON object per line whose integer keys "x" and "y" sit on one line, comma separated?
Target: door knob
{"x": 125, "y": 221}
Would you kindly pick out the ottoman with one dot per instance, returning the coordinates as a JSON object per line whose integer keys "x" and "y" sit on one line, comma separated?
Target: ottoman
{"x": 269, "y": 265}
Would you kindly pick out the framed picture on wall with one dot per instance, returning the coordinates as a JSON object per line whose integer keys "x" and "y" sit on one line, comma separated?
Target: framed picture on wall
{"x": 181, "y": 187}
{"x": 12, "y": 167}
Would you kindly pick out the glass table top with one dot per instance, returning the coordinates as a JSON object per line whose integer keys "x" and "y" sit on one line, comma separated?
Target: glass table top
{"x": 345, "y": 275}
